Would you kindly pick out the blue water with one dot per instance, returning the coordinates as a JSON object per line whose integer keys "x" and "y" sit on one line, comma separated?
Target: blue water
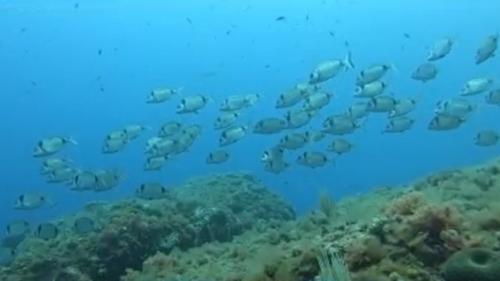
{"x": 51, "y": 77}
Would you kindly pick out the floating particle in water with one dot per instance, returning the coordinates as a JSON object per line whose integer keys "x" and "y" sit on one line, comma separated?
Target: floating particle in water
{"x": 99, "y": 52}
{"x": 280, "y": 18}
{"x": 406, "y": 35}
{"x": 34, "y": 83}
{"x": 189, "y": 20}
{"x": 267, "y": 66}
{"x": 23, "y": 30}
{"x": 76, "y": 5}
{"x": 332, "y": 34}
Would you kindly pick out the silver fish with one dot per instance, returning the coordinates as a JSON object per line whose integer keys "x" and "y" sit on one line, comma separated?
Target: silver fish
{"x": 150, "y": 144}
{"x": 17, "y": 227}
{"x": 217, "y": 157}
{"x": 15, "y": 233}
{"x": 403, "y": 106}
{"x": 155, "y": 163}
{"x": 51, "y": 164}
{"x": 486, "y": 138}
{"x": 84, "y": 225}
{"x": 382, "y": 104}
{"x": 456, "y": 107}
{"x": 270, "y": 126}
{"x": 192, "y": 104}
{"x": 358, "y": 110}
{"x": 440, "y": 49}
{"x": 163, "y": 147}
{"x": 371, "y": 74}
{"x": 371, "y": 89}
{"x": 315, "y": 136}
{"x": 329, "y": 69}
{"x": 399, "y": 124}
{"x": 445, "y": 123}
{"x": 117, "y": 135}
{"x": 51, "y": 145}
{"x": 161, "y": 95}
{"x": 307, "y": 89}
{"x": 232, "y": 135}
{"x": 293, "y": 141}
{"x": 47, "y": 231}
{"x": 84, "y": 181}
{"x": 192, "y": 130}
{"x": 298, "y": 118}
{"x": 114, "y": 145}
{"x": 169, "y": 129}
{"x": 317, "y": 101}
{"x": 476, "y": 86}
{"x": 62, "y": 175}
{"x": 290, "y": 98}
{"x": 340, "y": 146}
{"x": 239, "y": 102}
{"x": 134, "y": 131}
{"x": 276, "y": 166}
{"x": 493, "y": 97}
{"x": 487, "y": 49}
{"x": 226, "y": 120}
{"x": 183, "y": 142}
{"x": 151, "y": 191}
{"x": 275, "y": 152}
{"x": 108, "y": 179}
{"x": 425, "y": 72}
{"x": 340, "y": 125}
{"x": 273, "y": 159}
{"x": 312, "y": 159}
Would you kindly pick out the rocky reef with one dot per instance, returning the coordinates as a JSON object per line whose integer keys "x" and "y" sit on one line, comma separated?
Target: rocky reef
{"x": 214, "y": 209}
{"x": 231, "y": 228}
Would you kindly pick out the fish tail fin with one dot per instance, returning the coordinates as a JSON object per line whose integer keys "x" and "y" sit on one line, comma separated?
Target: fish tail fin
{"x": 50, "y": 202}
{"x": 358, "y": 90}
{"x": 394, "y": 67}
{"x": 419, "y": 97}
{"x": 348, "y": 61}
{"x": 71, "y": 140}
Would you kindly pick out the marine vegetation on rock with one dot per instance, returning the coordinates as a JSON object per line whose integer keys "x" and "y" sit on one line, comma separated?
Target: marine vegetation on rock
{"x": 130, "y": 231}
{"x": 230, "y": 228}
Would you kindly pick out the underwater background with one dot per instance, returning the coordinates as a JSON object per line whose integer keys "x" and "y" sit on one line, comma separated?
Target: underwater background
{"x": 84, "y": 69}
{"x": 405, "y": 188}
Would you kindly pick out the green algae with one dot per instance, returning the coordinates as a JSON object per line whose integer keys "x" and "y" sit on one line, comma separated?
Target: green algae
{"x": 230, "y": 227}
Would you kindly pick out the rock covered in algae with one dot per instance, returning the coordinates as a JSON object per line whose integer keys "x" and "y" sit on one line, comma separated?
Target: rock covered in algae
{"x": 229, "y": 228}
{"x": 128, "y": 232}
{"x": 478, "y": 264}
{"x": 392, "y": 234}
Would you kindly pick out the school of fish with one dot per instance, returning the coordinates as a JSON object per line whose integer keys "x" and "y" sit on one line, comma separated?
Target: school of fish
{"x": 295, "y": 108}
